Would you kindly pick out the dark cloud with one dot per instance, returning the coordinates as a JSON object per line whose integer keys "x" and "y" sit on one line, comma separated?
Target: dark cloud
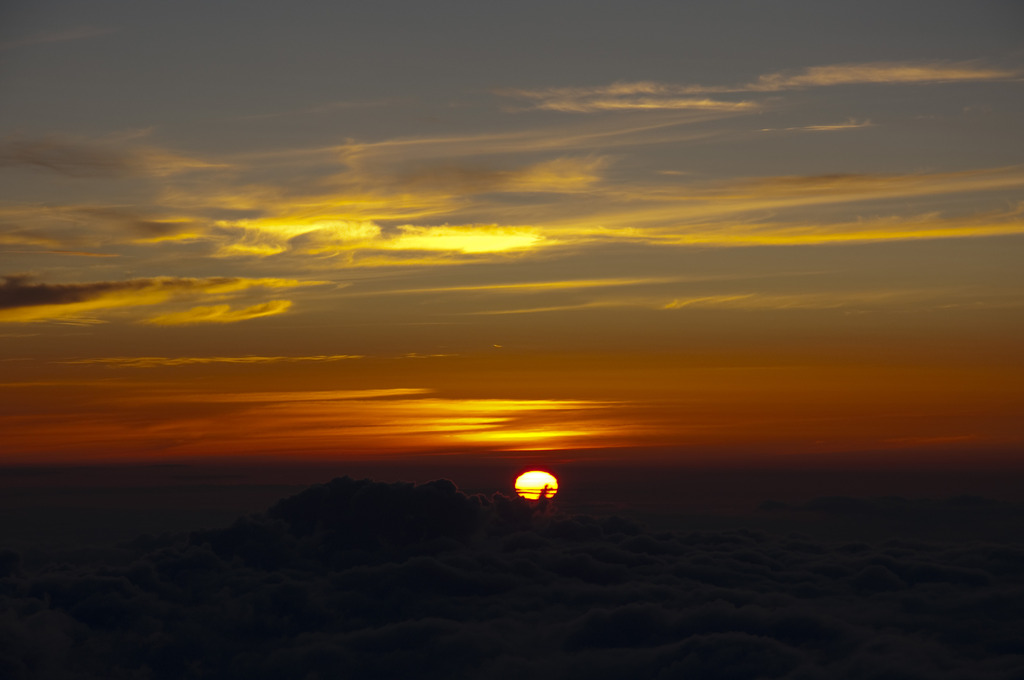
{"x": 20, "y": 290}
{"x": 360, "y": 579}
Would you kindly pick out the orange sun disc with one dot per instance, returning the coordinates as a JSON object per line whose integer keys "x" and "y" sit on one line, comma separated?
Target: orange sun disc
{"x": 536, "y": 484}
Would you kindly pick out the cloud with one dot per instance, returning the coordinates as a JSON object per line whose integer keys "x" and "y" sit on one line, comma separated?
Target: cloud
{"x": 559, "y": 175}
{"x": 78, "y": 158}
{"x": 533, "y": 286}
{"x": 626, "y": 97}
{"x": 465, "y": 239}
{"x": 885, "y": 73}
{"x": 851, "y": 124}
{"x": 650, "y": 95}
{"x": 314, "y": 395}
{"x": 696, "y": 214}
{"x": 422, "y": 580}
{"x": 150, "y": 362}
{"x": 23, "y": 301}
{"x": 829, "y": 300}
{"x": 325, "y": 237}
{"x": 627, "y": 130}
{"x": 667, "y": 215}
{"x": 310, "y": 423}
{"x": 220, "y": 314}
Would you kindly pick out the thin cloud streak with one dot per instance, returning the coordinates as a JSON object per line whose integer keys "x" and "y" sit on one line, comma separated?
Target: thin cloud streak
{"x": 849, "y": 125}
{"x": 152, "y": 362}
{"x": 23, "y": 301}
{"x": 651, "y": 95}
{"x": 81, "y": 158}
{"x": 220, "y": 314}
{"x": 314, "y": 395}
{"x": 536, "y": 286}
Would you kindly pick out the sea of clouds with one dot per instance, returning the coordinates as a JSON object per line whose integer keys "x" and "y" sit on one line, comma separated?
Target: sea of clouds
{"x": 363, "y": 579}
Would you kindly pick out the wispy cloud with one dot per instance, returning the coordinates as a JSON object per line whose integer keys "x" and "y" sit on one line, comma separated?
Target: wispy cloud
{"x": 554, "y": 308}
{"x": 828, "y": 300}
{"x": 313, "y": 395}
{"x": 649, "y": 95}
{"x": 730, "y": 213}
{"x": 642, "y": 96}
{"x": 151, "y": 362}
{"x": 884, "y": 73}
{"x": 22, "y": 300}
{"x": 326, "y": 237}
{"x": 534, "y": 286}
{"x": 73, "y": 157}
{"x": 715, "y": 212}
{"x": 220, "y": 314}
{"x": 848, "y": 125}
{"x": 756, "y": 300}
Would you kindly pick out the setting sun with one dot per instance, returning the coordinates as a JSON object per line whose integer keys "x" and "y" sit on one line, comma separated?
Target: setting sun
{"x": 536, "y": 484}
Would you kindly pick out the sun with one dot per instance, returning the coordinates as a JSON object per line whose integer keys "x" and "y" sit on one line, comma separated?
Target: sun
{"x": 536, "y": 484}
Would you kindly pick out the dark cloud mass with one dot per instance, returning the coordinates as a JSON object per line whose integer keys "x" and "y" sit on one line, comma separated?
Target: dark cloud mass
{"x": 22, "y": 291}
{"x": 359, "y": 579}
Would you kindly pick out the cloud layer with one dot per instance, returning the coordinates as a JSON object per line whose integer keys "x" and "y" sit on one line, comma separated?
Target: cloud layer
{"x": 648, "y": 95}
{"x": 22, "y": 300}
{"x": 396, "y": 580}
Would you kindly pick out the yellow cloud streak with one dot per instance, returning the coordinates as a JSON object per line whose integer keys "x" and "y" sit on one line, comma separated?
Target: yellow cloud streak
{"x": 831, "y": 300}
{"x": 432, "y": 422}
{"x": 146, "y": 292}
{"x": 466, "y": 240}
{"x": 279, "y": 235}
{"x": 314, "y": 395}
{"x": 220, "y": 314}
{"x": 645, "y": 104}
{"x": 150, "y": 362}
{"x": 569, "y": 284}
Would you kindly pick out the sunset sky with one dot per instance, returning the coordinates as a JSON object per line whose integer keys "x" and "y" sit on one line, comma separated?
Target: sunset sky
{"x": 545, "y": 231}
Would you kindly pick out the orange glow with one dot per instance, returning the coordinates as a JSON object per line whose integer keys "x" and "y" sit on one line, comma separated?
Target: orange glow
{"x": 536, "y": 484}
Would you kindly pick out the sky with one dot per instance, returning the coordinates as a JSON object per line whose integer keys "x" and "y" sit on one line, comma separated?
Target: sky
{"x": 767, "y": 232}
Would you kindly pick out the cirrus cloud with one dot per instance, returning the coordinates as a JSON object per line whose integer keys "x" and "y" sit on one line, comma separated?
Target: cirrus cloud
{"x": 23, "y": 301}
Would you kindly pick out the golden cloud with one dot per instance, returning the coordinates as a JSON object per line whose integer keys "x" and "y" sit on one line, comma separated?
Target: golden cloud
{"x": 23, "y": 301}
{"x": 278, "y": 235}
{"x": 466, "y": 239}
{"x": 534, "y": 286}
{"x": 220, "y": 314}
{"x": 829, "y": 300}
{"x": 151, "y": 362}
